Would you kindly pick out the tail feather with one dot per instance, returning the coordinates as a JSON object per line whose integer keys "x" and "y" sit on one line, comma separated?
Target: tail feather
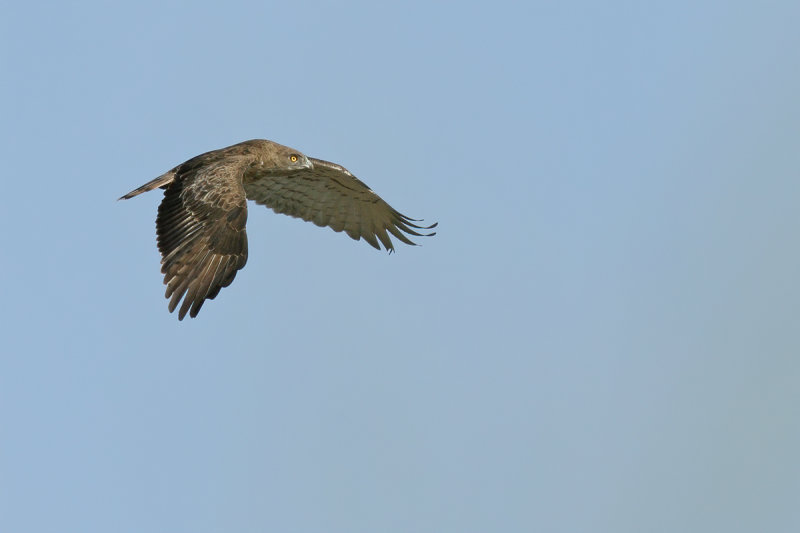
{"x": 162, "y": 181}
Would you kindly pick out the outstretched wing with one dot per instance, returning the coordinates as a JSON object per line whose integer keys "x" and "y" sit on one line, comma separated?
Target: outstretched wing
{"x": 329, "y": 195}
{"x": 201, "y": 232}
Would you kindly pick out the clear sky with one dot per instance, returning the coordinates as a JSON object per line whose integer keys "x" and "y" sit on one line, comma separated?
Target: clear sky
{"x": 603, "y": 337}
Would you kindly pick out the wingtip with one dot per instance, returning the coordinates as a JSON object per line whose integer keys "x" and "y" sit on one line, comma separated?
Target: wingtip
{"x": 129, "y": 195}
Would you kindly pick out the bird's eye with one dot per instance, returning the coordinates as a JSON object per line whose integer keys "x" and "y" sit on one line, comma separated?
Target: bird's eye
{"x": 293, "y": 158}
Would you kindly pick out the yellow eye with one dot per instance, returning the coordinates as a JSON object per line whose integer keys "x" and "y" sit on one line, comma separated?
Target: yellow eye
{"x": 293, "y": 158}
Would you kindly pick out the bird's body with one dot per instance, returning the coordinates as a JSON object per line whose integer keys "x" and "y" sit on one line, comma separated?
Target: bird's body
{"x": 201, "y": 220}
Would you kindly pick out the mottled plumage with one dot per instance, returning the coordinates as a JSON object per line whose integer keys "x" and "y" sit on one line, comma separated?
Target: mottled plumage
{"x": 201, "y": 220}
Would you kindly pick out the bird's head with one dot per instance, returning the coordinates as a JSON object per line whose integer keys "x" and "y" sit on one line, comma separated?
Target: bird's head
{"x": 298, "y": 161}
{"x": 273, "y": 157}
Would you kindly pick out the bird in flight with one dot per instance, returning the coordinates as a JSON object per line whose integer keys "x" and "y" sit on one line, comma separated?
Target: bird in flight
{"x": 201, "y": 220}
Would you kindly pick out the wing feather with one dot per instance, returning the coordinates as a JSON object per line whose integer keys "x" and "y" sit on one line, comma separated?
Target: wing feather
{"x": 329, "y": 195}
{"x": 201, "y": 233}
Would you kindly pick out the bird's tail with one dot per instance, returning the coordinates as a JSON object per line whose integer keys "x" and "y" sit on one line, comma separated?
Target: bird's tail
{"x": 162, "y": 181}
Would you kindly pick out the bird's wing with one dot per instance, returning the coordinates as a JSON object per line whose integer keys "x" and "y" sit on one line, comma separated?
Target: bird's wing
{"x": 201, "y": 232}
{"x": 329, "y": 195}
{"x": 162, "y": 181}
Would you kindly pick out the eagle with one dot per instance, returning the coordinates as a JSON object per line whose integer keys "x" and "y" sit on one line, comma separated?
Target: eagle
{"x": 201, "y": 221}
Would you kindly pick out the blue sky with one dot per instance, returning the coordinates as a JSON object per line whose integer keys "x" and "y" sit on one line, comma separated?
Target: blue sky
{"x": 602, "y": 337}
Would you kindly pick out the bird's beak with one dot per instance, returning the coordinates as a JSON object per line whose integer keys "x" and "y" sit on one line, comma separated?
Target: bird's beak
{"x": 309, "y": 165}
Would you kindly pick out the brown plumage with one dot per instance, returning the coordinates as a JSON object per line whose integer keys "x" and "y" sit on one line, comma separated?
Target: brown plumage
{"x": 201, "y": 220}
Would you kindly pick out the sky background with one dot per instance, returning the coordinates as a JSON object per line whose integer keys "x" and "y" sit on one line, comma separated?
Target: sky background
{"x": 604, "y": 335}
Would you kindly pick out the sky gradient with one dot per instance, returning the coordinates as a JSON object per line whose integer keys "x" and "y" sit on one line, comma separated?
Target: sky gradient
{"x": 603, "y": 336}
